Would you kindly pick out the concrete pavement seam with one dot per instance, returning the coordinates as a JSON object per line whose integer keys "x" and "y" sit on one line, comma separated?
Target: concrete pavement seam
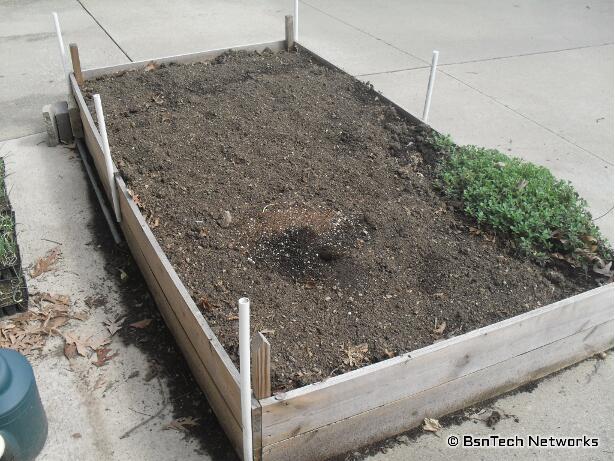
{"x": 20, "y": 137}
{"x": 521, "y": 55}
{"x": 104, "y": 30}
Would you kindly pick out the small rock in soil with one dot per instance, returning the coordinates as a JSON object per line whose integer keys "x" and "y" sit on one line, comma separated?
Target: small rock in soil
{"x": 226, "y": 219}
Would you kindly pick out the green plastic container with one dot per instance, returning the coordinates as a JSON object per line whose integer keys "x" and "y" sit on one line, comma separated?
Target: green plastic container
{"x": 23, "y": 423}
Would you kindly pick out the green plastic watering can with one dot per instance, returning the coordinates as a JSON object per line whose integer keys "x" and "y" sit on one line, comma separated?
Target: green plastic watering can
{"x": 23, "y": 423}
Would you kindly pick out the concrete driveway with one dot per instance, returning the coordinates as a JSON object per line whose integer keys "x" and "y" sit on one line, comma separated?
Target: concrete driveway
{"x": 533, "y": 78}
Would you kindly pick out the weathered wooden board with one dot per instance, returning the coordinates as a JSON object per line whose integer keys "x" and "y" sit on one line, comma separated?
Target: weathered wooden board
{"x": 209, "y": 349}
{"x": 397, "y": 416}
{"x": 182, "y": 58}
{"x": 352, "y": 393}
{"x": 92, "y": 137}
{"x": 208, "y": 368}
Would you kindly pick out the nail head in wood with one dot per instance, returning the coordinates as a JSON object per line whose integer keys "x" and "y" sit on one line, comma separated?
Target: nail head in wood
{"x": 261, "y": 366}
{"x": 74, "y": 56}
{"x": 290, "y": 40}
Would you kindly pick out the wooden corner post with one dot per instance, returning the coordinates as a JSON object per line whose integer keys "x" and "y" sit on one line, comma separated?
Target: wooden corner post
{"x": 261, "y": 366}
{"x": 74, "y": 57}
{"x": 290, "y": 39}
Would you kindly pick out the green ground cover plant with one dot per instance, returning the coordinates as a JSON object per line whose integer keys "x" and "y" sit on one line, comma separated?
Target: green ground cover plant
{"x": 542, "y": 215}
{"x": 8, "y": 246}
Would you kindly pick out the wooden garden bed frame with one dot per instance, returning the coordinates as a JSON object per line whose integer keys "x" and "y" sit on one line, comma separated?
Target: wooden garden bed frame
{"x": 374, "y": 402}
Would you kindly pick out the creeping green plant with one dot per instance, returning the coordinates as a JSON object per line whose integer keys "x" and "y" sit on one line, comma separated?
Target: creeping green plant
{"x": 542, "y": 214}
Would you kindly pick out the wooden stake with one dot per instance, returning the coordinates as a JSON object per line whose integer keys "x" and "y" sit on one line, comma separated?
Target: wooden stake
{"x": 261, "y": 366}
{"x": 290, "y": 40}
{"x": 74, "y": 56}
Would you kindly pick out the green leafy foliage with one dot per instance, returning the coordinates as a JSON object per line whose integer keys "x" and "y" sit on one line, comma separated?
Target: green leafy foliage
{"x": 543, "y": 215}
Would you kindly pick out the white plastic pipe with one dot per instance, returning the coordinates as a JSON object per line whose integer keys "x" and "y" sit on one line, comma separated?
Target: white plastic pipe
{"x": 63, "y": 57}
{"x": 244, "y": 374}
{"x": 102, "y": 127}
{"x": 296, "y": 22}
{"x": 432, "y": 78}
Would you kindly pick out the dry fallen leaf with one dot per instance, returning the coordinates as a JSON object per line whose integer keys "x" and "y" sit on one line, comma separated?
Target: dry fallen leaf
{"x": 355, "y": 355}
{"x": 102, "y": 356}
{"x": 55, "y": 299}
{"x": 55, "y": 323}
{"x": 114, "y": 325}
{"x": 141, "y": 323}
{"x": 150, "y": 66}
{"x": 137, "y": 199}
{"x": 204, "y": 303}
{"x": 437, "y": 331}
{"x": 80, "y": 344}
{"x": 431, "y": 425}
{"x": 45, "y": 263}
{"x": 603, "y": 269}
{"x": 70, "y": 351}
{"x": 182, "y": 424}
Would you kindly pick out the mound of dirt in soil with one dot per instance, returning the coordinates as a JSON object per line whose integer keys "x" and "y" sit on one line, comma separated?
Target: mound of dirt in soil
{"x": 270, "y": 176}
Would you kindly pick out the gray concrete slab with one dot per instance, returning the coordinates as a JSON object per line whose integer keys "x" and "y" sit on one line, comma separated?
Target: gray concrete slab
{"x": 162, "y": 28}
{"x": 480, "y": 29}
{"x": 217, "y": 24}
{"x": 565, "y": 92}
{"x": 31, "y": 72}
{"x": 88, "y": 408}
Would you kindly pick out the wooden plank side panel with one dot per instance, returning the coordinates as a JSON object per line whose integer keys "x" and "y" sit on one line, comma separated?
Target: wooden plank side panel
{"x": 215, "y": 396}
{"x": 344, "y": 396}
{"x": 92, "y": 137}
{"x": 182, "y": 58}
{"x": 219, "y": 364}
{"x": 402, "y": 415}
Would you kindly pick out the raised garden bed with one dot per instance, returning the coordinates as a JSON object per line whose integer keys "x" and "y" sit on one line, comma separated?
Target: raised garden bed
{"x": 335, "y": 232}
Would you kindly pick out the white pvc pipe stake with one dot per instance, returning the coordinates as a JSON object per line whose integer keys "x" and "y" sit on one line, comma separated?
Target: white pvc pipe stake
{"x": 296, "y": 22}
{"x": 244, "y": 375}
{"x": 63, "y": 57}
{"x": 102, "y": 127}
{"x": 432, "y": 78}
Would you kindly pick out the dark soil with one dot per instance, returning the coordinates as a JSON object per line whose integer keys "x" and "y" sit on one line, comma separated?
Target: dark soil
{"x": 336, "y": 233}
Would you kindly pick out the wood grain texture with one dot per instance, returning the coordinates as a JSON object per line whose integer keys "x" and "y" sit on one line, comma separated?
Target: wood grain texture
{"x": 261, "y": 366}
{"x": 302, "y": 410}
{"x": 290, "y": 40}
{"x": 92, "y": 137}
{"x": 398, "y": 416}
{"x": 181, "y": 59}
{"x": 76, "y": 61}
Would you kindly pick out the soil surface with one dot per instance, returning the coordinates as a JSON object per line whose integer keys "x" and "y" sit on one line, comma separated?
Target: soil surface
{"x": 270, "y": 176}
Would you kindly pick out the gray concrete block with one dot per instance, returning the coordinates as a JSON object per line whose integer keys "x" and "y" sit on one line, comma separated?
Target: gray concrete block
{"x": 53, "y": 138}
{"x": 65, "y": 132}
